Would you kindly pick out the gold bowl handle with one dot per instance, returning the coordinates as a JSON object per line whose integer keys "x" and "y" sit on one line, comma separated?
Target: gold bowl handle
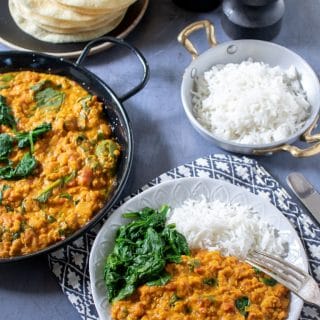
{"x": 185, "y": 33}
{"x": 295, "y": 151}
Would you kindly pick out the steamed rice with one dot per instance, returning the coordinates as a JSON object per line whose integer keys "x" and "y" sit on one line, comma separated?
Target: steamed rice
{"x": 233, "y": 229}
{"x": 250, "y": 102}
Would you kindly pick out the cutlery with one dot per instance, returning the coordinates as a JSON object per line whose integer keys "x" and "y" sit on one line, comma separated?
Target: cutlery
{"x": 296, "y": 280}
{"x": 306, "y": 193}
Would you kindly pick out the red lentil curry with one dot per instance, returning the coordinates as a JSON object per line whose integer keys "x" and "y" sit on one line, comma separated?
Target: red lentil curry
{"x": 57, "y": 160}
{"x": 207, "y": 285}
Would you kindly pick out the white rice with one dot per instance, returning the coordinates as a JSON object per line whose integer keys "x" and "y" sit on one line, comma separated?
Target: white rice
{"x": 250, "y": 102}
{"x": 232, "y": 229}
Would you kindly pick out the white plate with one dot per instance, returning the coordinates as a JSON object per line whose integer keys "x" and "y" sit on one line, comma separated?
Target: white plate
{"x": 174, "y": 193}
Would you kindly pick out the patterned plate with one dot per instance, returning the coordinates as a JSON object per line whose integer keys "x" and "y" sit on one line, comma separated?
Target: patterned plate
{"x": 174, "y": 193}
{"x": 70, "y": 264}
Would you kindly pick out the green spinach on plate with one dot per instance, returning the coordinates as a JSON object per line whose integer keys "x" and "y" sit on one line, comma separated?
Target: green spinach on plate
{"x": 142, "y": 249}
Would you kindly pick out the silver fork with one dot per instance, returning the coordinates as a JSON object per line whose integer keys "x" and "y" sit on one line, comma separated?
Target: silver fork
{"x": 299, "y": 282}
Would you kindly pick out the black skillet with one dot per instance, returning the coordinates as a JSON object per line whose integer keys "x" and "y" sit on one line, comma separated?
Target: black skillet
{"x": 114, "y": 112}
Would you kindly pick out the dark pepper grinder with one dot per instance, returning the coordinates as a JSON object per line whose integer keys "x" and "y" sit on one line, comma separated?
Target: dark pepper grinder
{"x": 252, "y": 19}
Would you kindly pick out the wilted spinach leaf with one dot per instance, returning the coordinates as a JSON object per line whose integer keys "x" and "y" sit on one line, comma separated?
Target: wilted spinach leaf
{"x": 269, "y": 281}
{"x": 256, "y": 270}
{"x": 177, "y": 243}
{"x": 174, "y": 298}
{"x": 5, "y": 80}
{"x": 25, "y": 166}
{"x": 66, "y": 196}
{"x": 6, "y": 144}
{"x": 164, "y": 278}
{"x": 47, "y": 192}
{"x": 41, "y": 85}
{"x": 6, "y": 115}
{"x": 44, "y": 195}
{"x": 106, "y": 152}
{"x": 49, "y": 97}
{"x": 85, "y": 102}
{"x": 210, "y": 281}
{"x": 29, "y": 138}
{"x": 142, "y": 249}
{"x": 2, "y": 189}
{"x": 23, "y": 169}
{"x": 241, "y": 304}
{"x": 7, "y": 77}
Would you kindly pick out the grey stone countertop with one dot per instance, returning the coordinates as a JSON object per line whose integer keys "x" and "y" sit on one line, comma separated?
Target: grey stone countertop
{"x": 163, "y": 136}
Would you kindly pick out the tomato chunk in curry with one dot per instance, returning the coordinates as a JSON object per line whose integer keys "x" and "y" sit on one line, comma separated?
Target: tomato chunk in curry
{"x": 207, "y": 285}
{"x": 57, "y": 160}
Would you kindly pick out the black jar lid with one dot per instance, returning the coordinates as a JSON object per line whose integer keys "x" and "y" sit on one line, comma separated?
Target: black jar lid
{"x": 198, "y": 5}
{"x": 252, "y": 19}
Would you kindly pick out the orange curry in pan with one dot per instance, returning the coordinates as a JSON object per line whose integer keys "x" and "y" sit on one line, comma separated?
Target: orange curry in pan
{"x": 207, "y": 286}
{"x": 57, "y": 160}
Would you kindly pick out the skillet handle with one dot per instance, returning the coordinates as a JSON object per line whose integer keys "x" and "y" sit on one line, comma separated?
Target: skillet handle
{"x": 187, "y": 31}
{"x": 135, "y": 51}
{"x": 295, "y": 151}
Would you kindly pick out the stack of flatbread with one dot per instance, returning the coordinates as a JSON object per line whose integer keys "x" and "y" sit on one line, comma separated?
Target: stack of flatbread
{"x": 60, "y": 21}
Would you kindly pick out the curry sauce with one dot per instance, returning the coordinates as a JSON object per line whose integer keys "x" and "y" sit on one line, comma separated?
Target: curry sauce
{"x": 207, "y": 285}
{"x": 57, "y": 160}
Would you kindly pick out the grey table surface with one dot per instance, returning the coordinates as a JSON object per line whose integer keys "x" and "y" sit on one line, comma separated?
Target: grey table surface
{"x": 163, "y": 136}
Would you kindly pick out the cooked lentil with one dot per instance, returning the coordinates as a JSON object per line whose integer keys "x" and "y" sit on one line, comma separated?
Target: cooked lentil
{"x": 75, "y": 161}
{"x": 207, "y": 285}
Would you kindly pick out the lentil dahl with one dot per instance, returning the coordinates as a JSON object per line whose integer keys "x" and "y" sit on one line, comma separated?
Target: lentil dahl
{"x": 207, "y": 285}
{"x": 75, "y": 160}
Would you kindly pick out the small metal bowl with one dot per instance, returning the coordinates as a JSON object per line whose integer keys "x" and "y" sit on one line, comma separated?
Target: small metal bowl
{"x": 235, "y": 52}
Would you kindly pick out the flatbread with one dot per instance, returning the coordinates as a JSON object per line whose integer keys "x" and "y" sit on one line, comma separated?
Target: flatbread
{"x": 96, "y": 5}
{"x": 57, "y": 23}
{"x": 51, "y": 10}
{"x": 35, "y": 31}
{"x": 83, "y": 28}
